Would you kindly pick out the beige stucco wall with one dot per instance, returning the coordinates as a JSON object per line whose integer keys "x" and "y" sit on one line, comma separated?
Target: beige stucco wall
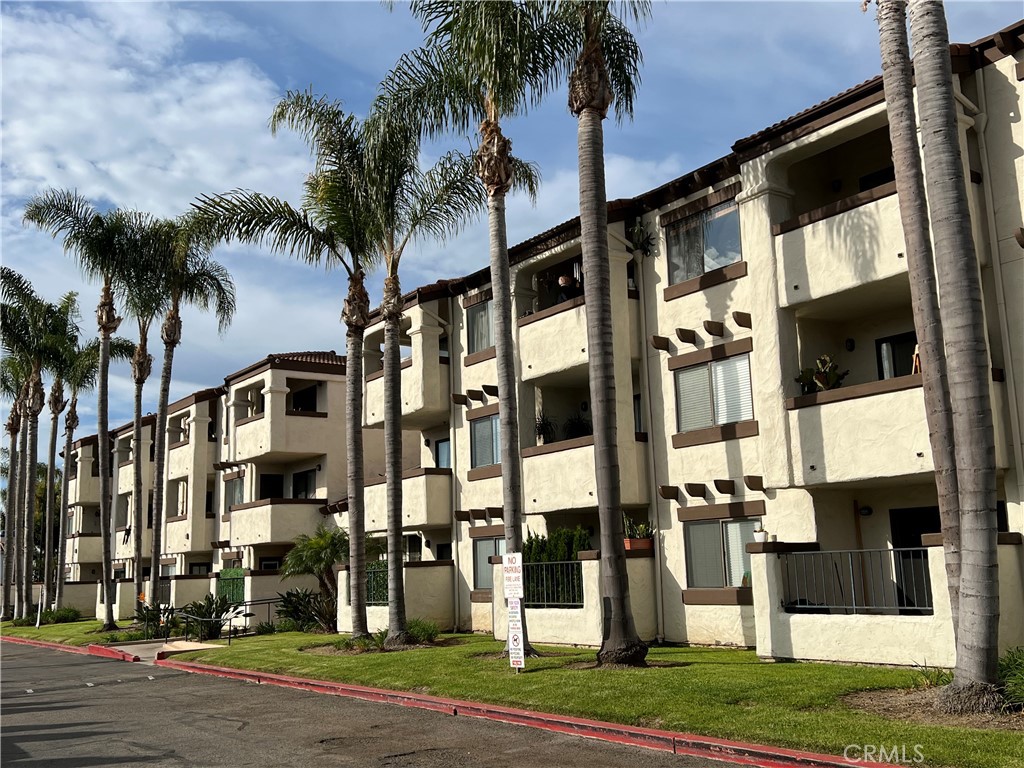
{"x": 82, "y": 596}
{"x": 84, "y": 549}
{"x": 124, "y": 600}
{"x": 126, "y": 551}
{"x": 273, "y": 523}
{"x": 270, "y": 585}
{"x": 576, "y": 486}
{"x": 568, "y": 626}
{"x": 428, "y": 596}
{"x": 426, "y": 503}
{"x": 185, "y": 590}
{"x": 643, "y": 604}
{"x": 554, "y": 344}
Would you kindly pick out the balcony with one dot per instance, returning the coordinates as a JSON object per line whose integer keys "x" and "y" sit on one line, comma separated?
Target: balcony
{"x": 426, "y": 500}
{"x": 846, "y": 244}
{"x": 126, "y": 550}
{"x": 84, "y": 488}
{"x": 84, "y": 548}
{"x": 273, "y": 521}
{"x": 425, "y": 394}
{"x": 280, "y": 434}
{"x": 560, "y": 476}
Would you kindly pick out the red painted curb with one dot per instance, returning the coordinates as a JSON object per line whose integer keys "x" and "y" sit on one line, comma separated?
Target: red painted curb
{"x": 44, "y": 644}
{"x": 107, "y": 652}
{"x": 649, "y": 738}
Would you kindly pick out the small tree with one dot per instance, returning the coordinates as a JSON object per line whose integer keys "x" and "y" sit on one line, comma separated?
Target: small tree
{"x": 317, "y": 555}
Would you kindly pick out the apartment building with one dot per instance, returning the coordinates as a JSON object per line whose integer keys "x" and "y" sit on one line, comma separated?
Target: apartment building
{"x": 797, "y": 521}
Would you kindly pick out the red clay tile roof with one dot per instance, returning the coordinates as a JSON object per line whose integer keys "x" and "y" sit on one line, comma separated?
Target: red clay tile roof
{"x": 324, "y": 358}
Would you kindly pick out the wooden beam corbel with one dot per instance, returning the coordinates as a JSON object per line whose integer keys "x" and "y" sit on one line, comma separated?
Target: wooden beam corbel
{"x": 660, "y": 342}
{"x": 670, "y": 492}
{"x": 742, "y": 319}
{"x": 754, "y": 482}
{"x": 725, "y": 486}
{"x": 696, "y": 490}
{"x": 490, "y": 389}
{"x": 460, "y": 399}
{"x": 714, "y": 327}
{"x": 475, "y": 394}
{"x": 686, "y": 335}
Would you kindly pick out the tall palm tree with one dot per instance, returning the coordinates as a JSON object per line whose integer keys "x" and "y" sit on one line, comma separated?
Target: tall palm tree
{"x": 12, "y": 387}
{"x": 99, "y": 242}
{"x": 455, "y": 84}
{"x": 403, "y": 203}
{"x": 897, "y": 77}
{"x": 141, "y": 290}
{"x": 329, "y": 229}
{"x": 80, "y": 374}
{"x": 606, "y": 70}
{"x": 190, "y": 277}
{"x": 975, "y": 677}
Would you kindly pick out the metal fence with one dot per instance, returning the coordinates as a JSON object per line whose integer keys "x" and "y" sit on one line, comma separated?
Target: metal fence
{"x": 895, "y": 581}
{"x": 376, "y": 586}
{"x": 163, "y": 591}
{"x": 233, "y": 588}
{"x": 553, "y": 585}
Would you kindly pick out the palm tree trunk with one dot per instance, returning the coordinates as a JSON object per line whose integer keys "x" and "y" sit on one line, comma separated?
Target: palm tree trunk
{"x": 20, "y": 528}
{"x": 107, "y": 320}
{"x": 899, "y": 97}
{"x": 35, "y": 407}
{"x": 51, "y": 502}
{"x": 589, "y": 99}
{"x": 391, "y": 308}
{"x": 70, "y": 425}
{"x": 11, "y": 521}
{"x": 170, "y": 332}
{"x": 142, "y": 364}
{"x": 355, "y": 314}
{"x": 495, "y": 172}
{"x": 973, "y": 688}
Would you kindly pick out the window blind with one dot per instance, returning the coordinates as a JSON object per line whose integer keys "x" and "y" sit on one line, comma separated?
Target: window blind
{"x": 704, "y": 567}
{"x": 693, "y": 399}
{"x": 484, "y": 440}
{"x": 731, "y": 383}
{"x": 737, "y": 534}
{"x": 479, "y": 322}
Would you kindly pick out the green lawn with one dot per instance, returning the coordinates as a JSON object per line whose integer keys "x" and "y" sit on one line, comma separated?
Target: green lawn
{"x": 725, "y": 693}
{"x": 72, "y": 633}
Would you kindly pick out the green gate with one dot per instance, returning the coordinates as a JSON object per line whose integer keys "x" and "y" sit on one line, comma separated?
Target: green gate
{"x": 231, "y": 584}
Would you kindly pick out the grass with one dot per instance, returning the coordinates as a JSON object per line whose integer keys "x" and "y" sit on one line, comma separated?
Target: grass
{"x": 716, "y": 692}
{"x": 72, "y": 633}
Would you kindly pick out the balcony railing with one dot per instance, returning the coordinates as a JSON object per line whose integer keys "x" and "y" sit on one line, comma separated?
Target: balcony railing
{"x": 893, "y": 581}
{"x": 553, "y": 585}
{"x": 376, "y": 585}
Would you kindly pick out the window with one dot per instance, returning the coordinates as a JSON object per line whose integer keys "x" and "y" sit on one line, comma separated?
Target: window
{"x": 713, "y": 394}
{"x": 182, "y": 497}
{"x": 270, "y": 563}
{"x": 304, "y": 399}
{"x": 716, "y": 553}
{"x": 480, "y": 326}
{"x": 166, "y": 571}
{"x": 412, "y": 547}
{"x": 483, "y": 549}
{"x": 233, "y": 491}
{"x": 484, "y": 441}
{"x": 444, "y": 551}
{"x": 304, "y": 484}
{"x": 704, "y": 242}
{"x": 199, "y": 569}
{"x": 443, "y": 454}
{"x": 895, "y": 355}
{"x": 638, "y": 414}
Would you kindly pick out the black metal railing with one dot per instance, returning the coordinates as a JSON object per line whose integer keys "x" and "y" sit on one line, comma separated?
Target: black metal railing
{"x": 163, "y": 591}
{"x": 894, "y": 581}
{"x": 553, "y": 585}
{"x": 376, "y": 586}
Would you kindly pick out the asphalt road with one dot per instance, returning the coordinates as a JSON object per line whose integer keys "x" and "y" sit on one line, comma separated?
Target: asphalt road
{"x": 70, "y": 711}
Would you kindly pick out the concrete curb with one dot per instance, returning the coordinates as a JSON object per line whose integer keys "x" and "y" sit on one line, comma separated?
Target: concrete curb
{"x": 102, "y": 651}
{"x": 649, "y": 738}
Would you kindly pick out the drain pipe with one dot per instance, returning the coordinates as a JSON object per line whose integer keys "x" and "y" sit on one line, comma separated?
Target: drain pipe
{"x": 652, "y": 485}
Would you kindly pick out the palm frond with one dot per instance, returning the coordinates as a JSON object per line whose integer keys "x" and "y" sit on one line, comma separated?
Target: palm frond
{"x": 445, "y": 198}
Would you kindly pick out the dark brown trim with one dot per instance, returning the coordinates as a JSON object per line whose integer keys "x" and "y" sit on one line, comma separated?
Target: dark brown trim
{"x": 124, "y": 464}
{"x": 284, "y": 364}
{"x": 696, "y": 490}
{"x": 190, "y": 576}
{"x": 736, "y": 431}
{"x": 481, "y": 412}
{"x": 178, "y": 444}
{"x": 308, "y": 414}
{"x": 720, "y": 511}
{"x": 631, "y": 554}
{"x": 477, "y": 298}
{"x": 265, "y": 572}
{"x": 429, "y": 564}
{"x": 494, "y": 559}
{"x": 168, "y": 561}
{"x": 247, "y": 419}
{"x": 633, "y": 293}
{"x": 834, "y": 209}
{"x": 269, "y": 502}
{"x": 754, "y": 482}
{"x": 778, "y": 547}
{"x": 176, "y": 519}
{"x": 707, "y": 280}
{"x": 641, "y": 437}
{"x": 484, "y": 473}
{"x": 1011, "y": 539}
{"x": 84, "y": 535}
{"x": 742, "y": 319}
{"x": 723, "y": 195}
{"x": 233, "y": 475}
{"x": 462, "y": 515}
{"x": 725, "y": 596}
{"x": 1019, "y": 70}
{"x": 478, "y": 514}
{"x": 478, "y": 357}
{"x": 856, "y": 391}
{"x": 121, "y": 529}
{"x": 486, "y": 531}
{"x": 724, "y": 486}
{"x": 561, "y": 445}
{"x": 716, "y": 352}
{"x": 557, "y": 309}
{"x": 380, "y": 374}
{"x": 410, "y": 474}
{"x": 481, "y": 595}
{"x": 201, "y": 396}
{"x": 226, "y": 517}
{"x": 230, "y": 555}
{"x": 714, "y": 328}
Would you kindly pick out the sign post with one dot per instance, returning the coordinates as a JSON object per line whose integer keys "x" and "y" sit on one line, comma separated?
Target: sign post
{"x": 512, "y": 569}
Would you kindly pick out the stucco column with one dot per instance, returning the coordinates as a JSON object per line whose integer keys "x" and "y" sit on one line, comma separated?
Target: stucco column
{"x": 765, "y": 198}
{"x": 766, "y": 583}
{"x": 618, "y": 258}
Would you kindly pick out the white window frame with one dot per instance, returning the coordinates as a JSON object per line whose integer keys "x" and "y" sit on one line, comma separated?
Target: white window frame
{"x": 732, "y": 572}
{"x": 725, "y": 404}
{"x": 495, "y": 446}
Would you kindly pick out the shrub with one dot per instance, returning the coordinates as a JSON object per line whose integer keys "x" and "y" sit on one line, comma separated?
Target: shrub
{"x": 212, "y": 608}
{"x": 309, "y": 610}
{"x": 25, "y": 622}
{"x": 932, "y": 677}
{"x": 287, "y": 625}
{"x": 421, "y": 631}
{"x": 265, "y": 628}
{"x": 65, "y": 615}
{"x": 128, "y": 636}
{"x": 1011, "y": 674}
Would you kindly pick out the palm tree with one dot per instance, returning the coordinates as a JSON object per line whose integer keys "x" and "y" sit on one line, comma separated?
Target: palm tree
{"x": 403, "y": 203}
{"x": 12, "y": 387}
{"x": 457, "y": 83}
{"x": 190, "y": 277}
{"x": 897, "y": 76}
{"x": 98, "y": 242}
{"x": 606, "y": 71}
{"x": 140, "y": 288}
{"x": 330, "y": 229}
{"x": 975, "y": 677}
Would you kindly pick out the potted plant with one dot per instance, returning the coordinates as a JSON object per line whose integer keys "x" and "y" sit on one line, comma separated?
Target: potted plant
{"x": 825, "y": 375}
{"x": 577, "y": 426}
{"x": 638, "y": 536}
{"x": 760, "y": 534}
{"x": 545, "y": 429}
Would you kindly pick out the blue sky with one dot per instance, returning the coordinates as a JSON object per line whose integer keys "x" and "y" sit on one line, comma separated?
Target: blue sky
{"x": 147, "y": 105}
